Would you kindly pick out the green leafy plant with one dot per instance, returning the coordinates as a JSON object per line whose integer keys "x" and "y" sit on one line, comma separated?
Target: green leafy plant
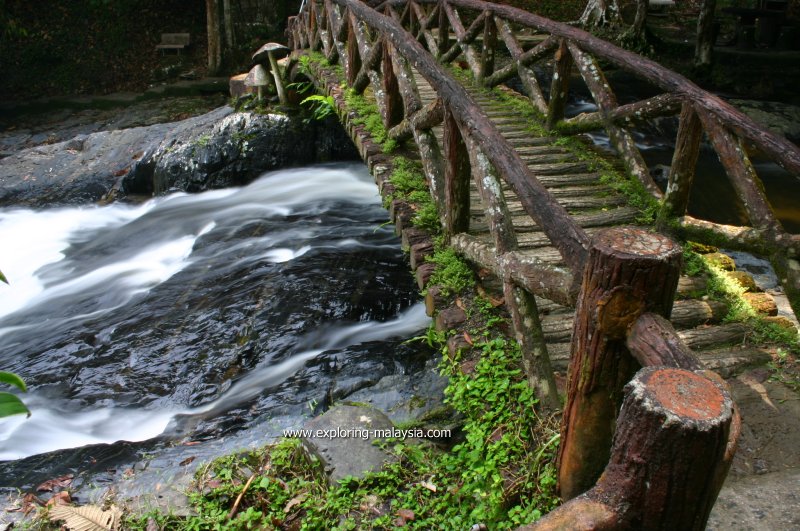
{"x": 452, "y": 272}
{"x": 10, "y": 404}
{"x": 320, "y": 106}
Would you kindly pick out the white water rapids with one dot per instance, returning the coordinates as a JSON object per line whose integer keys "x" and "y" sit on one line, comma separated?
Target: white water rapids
{"x": 50, "y": 287}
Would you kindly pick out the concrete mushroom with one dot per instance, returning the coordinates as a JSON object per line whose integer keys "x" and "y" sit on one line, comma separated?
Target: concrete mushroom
{"x": 273, "y": 51}
{"x": 257, "y": 77}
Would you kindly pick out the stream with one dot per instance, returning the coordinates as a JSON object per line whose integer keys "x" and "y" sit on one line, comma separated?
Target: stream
{"x": 213, "y": 320}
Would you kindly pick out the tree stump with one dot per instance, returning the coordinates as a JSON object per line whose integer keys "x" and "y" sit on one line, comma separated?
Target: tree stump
{"x": 672, "y": 434}
{"x": 629, "y": 272}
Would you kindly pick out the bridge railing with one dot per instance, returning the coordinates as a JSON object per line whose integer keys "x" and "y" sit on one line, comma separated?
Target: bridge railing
{"x": 623, "y": 280}
{"x": 730, "y": 132}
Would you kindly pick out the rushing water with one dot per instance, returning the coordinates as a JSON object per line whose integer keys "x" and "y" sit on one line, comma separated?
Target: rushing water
{"x": 199, "y": 316}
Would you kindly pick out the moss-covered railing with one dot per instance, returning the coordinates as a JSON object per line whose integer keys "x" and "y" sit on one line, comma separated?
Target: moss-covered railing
{"x": 622, "y": 282}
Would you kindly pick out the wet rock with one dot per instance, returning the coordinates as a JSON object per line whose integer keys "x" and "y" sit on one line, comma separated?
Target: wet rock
{"x": 218, "y": 149}
{"x": 406, "y": 398}
{"x": 344, "y": 440}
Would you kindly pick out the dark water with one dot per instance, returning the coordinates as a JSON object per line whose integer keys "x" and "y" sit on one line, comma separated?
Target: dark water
{"x": 221, "y": 317}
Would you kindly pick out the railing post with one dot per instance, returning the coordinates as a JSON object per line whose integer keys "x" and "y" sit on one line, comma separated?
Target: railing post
{"x": 672, "y": 433}
{"x": 391, "y": 91}
{"x": 353, "y": 57}
{"x": 489, "y": 45}
{"x": 629, "y": 271}
{"x": 684, "y": 162}
{"x": 456, "y": 178}
{"x": 520, "y": 303}
{"x": 443, "y": 39}
{"x": 559, "y": 86}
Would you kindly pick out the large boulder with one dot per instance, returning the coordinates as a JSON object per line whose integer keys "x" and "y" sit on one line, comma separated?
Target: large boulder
{"x": 214, "y": 150}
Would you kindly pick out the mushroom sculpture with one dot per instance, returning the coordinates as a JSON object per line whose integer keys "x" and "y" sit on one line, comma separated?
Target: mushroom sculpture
{"x": 273, "y": 51}
{"x": 257, "y": 77}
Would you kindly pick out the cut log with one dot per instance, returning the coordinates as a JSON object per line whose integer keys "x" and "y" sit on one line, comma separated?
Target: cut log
{"x": 629, "y": 271}
{"x": 672, "y": 437}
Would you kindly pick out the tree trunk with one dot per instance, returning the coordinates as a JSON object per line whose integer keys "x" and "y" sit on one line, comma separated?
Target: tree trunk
{"x": 600, "y": 13}
{"x": 214, "y": 37}
{"x": 705, "y": 35}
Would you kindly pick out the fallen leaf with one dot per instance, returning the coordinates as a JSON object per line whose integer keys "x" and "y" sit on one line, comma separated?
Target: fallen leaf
{"x": 428, "y": 485}
{"x": 295, "y": 501}
{"x": 460, "y": 304}
{"x": 187, "y": 461}
{"x": 468, "y": 338}
{"x": 214, "y": 484}
{"x": 191, "y": 443}
{"x": 60, "y": 498}
{"x": 407, "y": 515}
{"x": 56, "y": 483}
{"x": 121, "y": 172}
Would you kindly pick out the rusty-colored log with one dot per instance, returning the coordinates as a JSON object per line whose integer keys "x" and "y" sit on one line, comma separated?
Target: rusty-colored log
{"x": 371, "y": 64}
{"x": 629, "y": 271}
{"x": 653, "y": 341}
{"x": 456, "y": 179}
{"x": 314, "y": 41}
{"x": 489, "y": 45}
{"x": 559, "y": 87}
{"x": 393, "y": 101}
{"x": 427, "y": 117}
{"x": 443, "y": 39}
{"x": 353, "y": 64}
{"x": 621, "y": 138}
{"x": 672, "y": 433}
{"x": 684, "y": 162}
{"x": 520, "y": 303}
{"x": 625, "y": 115}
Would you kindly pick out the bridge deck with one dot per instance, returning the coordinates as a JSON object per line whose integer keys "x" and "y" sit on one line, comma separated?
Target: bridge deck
{"x": 593, "y": 205}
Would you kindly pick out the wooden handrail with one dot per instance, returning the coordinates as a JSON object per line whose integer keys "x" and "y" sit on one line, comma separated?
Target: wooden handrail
{"x": 775, "y": 147}
{"x": 568, "y": 237}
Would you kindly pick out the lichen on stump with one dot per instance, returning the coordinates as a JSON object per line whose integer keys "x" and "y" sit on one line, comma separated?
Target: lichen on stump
{"x": 672, "y": 434}
{"x": 629, "y": 271}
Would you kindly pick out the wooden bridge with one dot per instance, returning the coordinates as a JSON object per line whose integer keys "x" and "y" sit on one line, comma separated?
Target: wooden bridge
{"x": 584, "y": 281}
